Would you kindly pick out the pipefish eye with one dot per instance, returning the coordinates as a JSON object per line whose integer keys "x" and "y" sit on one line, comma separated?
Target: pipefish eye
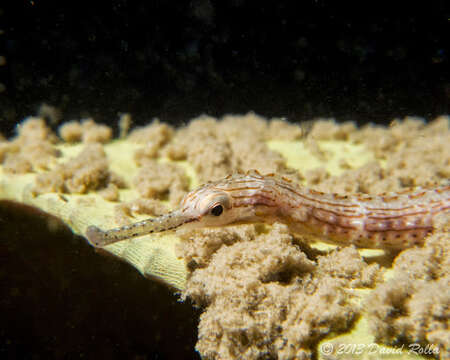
{"x": 217, "y": 204}
{"x": 217, "y": 210}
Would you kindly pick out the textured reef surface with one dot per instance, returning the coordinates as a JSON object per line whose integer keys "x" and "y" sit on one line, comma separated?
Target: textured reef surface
{"x": 264, "y": 292}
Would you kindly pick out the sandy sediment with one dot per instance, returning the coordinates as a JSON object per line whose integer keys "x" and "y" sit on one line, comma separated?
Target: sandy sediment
{"x": 265, "y": 293}
{"x": 263, "y": 296}
{"x": 414, "y": 305}
{"x": 86, "y": 131}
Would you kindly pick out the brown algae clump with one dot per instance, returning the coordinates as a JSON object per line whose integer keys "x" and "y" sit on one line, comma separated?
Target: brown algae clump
{"x": 264, "y": 297}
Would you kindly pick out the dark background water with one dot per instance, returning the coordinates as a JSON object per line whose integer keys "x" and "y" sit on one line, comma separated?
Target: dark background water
{"x": 59, "y": 299}
{"x": 363, "y": 61}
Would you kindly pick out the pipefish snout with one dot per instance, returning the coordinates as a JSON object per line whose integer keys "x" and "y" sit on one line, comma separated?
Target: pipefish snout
{"x": 393, "y": 221}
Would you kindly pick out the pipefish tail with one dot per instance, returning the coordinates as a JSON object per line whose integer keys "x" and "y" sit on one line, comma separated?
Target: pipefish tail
{"x": 386, "y": 221}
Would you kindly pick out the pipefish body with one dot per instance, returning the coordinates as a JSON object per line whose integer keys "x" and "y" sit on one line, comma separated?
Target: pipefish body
{"x": 386, "y": 221}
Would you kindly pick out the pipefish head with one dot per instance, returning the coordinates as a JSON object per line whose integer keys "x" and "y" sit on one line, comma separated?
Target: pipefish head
{"x": 203, "y": 207}
{"x": 208, "y": 206}
{"x": 214, "y": 204}
{"x": 237, "y": 199}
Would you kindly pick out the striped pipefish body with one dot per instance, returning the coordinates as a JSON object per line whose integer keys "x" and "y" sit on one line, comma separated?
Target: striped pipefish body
{"x": 386, "y": 221}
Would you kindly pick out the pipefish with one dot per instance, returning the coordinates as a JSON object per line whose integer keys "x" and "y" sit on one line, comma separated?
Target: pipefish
{"x": 386, "y": 221}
